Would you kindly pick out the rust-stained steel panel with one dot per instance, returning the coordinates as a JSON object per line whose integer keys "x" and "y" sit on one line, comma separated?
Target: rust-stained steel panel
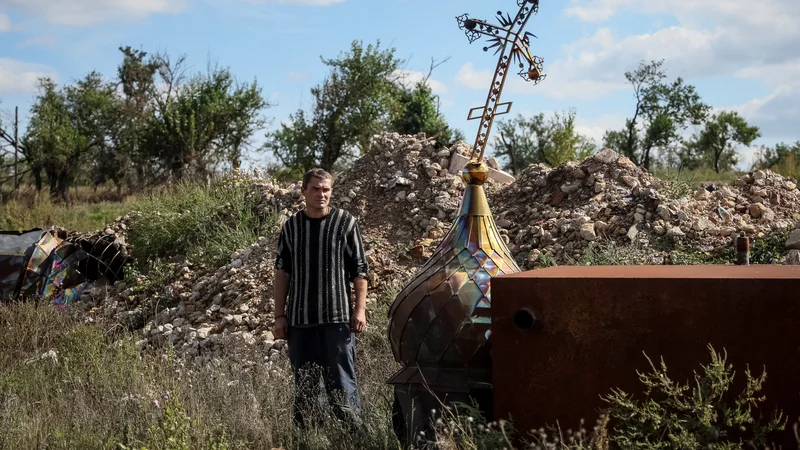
{"x": 593, "y": 323}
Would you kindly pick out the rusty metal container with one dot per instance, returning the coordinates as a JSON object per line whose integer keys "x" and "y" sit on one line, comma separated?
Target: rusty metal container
{"x": 563, "y": 337}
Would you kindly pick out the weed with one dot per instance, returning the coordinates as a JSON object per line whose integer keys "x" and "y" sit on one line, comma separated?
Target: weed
{"x": 694, "y": 415}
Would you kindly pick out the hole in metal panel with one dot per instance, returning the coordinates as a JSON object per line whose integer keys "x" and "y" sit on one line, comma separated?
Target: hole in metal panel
{"x": 524, "y": 320}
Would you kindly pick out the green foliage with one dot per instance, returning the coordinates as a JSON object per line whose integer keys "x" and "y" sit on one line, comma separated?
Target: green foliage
{"x": 693, "y": 415}
{"x": 610, "y": 253}
{"x": 716, "y": 145}
{"x": 203, "y": 122}
{"x": 419, "y": 113}
{"x": 65, "y": 384}
{"x": 663, "y": 109}
{"x": 207, "y": 224}
{"x": 783, "y": 159}
{"x": 68, "y": 126}
{"x": 159, "y": 126}
{"x": 356, "y": 100}
{"x": 462, "y": 426}
{"x": 768, "y": 249}
{"x": 526, "y": 141}
{"x": 556, "y": 438}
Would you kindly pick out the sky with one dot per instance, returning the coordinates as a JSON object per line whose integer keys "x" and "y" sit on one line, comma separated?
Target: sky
{"x": 739, "y": 57}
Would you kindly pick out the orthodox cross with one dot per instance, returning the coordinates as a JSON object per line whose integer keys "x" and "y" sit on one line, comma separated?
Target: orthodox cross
{"x": 513, "y": 47}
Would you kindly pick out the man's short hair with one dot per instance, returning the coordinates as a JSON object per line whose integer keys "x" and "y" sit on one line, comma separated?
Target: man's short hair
{"x": 315, "y": 173}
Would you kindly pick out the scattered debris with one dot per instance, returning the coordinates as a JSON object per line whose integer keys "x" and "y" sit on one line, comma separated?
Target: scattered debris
{"x": 52, "y": 264}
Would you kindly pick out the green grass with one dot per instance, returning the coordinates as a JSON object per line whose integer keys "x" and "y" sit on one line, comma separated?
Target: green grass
{"x": 695, "y": 177}
{"x": 29, "y": 211}
{"x": 67, "y": 385}
{"x": 206, "y": 224}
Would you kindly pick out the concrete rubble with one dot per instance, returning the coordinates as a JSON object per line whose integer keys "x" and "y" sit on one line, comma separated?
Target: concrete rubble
{"x": 406, "y": 193}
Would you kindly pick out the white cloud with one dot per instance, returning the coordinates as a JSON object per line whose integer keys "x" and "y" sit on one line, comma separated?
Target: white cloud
{"x": 560, "y": 83}
{"x": 596, "y": 127}
{"x": 44, "y": 41}
{"x": 310, "y": 2}
{"x": 297, "y": 77}
{"x": 412, "y": 77}
{"x": 719, "y": 38}
{"x": 21, "y": 77}
{"x": 5, "y": 23}
{"x": 740, "y": 35}
{"x": 89, "y": 12}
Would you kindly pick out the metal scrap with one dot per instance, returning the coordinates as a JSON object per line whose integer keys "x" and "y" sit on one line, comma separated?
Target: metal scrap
{"x": 53, "y": 265}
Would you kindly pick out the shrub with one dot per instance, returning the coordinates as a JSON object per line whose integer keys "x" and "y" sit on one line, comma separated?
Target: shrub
{"x": 692, "y": 415}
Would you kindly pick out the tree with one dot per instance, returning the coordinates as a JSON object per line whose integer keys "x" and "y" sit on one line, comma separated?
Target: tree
{"x": 661, "y": 112}
{"x": 715, "y": 146}
{"x": 419, "y": 111}
{"x": 355, "y": 101}
{"x": 526, "y": 141}
{"x": 136, "y": 78}
{"x": 780, "y": 155}
{"x": 784, "y": 159}
{"x": 202, "y": 122}
{"x": 67, "y": 126}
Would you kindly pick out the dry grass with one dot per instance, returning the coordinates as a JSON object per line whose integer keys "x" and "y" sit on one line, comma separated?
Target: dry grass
{"x": 88, "y": 210}
{"x": 67, "y": 385}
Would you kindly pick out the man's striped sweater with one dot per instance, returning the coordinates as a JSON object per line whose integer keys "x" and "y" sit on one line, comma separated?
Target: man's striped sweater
{"x": 322, "y": 255}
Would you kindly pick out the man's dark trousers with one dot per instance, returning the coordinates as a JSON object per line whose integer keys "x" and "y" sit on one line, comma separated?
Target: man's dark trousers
{"x": 331, "y": 348}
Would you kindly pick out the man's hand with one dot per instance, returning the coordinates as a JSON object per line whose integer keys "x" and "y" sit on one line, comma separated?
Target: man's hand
{"x": 359, "y": 321}
{"x": 281, "y": 328}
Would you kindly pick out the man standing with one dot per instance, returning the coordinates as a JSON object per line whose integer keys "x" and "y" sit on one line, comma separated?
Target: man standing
{"x": 320, "y": 251}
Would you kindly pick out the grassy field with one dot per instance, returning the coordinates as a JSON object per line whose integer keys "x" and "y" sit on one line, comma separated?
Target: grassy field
{"x": 89, "y": 210}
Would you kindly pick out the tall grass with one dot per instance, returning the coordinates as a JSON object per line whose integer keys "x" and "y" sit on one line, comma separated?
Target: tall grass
{"x": 65, "y": 384}
{"x": 204, "y": 223}
{"x": 89, "y": 210}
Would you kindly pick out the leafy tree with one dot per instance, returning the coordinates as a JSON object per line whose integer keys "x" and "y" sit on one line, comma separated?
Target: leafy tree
{"x": 663, "y": 109}
{"x": 67, "y": 127}
{"x": 366, "y": 77}
{"x": 783, "y": 158}
{"x": 715, "y": 146}
{"x": 356, "y": 100}
{"x": 202, "y": 122}
{"x": 419, "y": 114}
{"x": 526, "y": 141}
{"x": 136, "y": 78}
{"x": 771, "y": 157}
{"x": 418, "y": 111}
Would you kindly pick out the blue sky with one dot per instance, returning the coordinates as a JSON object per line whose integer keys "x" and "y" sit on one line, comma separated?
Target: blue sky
{"x": 739, "y": 58}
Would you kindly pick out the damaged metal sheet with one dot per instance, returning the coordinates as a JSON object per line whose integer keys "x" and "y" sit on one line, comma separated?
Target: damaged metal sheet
{"x": 50, "y": 264}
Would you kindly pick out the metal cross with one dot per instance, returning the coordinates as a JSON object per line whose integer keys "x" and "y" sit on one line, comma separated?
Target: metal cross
{"x": 509, "y": 32}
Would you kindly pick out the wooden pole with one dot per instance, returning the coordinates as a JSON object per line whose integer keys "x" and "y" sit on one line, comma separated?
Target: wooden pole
{"x": 16, "y": 146}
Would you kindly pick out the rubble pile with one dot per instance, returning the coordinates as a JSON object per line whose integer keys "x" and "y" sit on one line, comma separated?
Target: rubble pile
{"x": 405, "y": 199}
{"x": 403, "y": 187}
{"x": 233, "y": 304}
{"x": 560, "y": 211}
{"x": 206, "y": 310}
{"x": 405, "y": 196}
{"x": 210, "y": 309}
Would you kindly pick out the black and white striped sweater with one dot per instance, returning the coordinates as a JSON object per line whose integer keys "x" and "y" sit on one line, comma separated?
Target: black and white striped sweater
{"x": 322, "y": 255}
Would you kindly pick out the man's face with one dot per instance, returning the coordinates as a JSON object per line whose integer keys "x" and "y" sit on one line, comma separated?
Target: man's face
{"x": 317, "y": 194}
